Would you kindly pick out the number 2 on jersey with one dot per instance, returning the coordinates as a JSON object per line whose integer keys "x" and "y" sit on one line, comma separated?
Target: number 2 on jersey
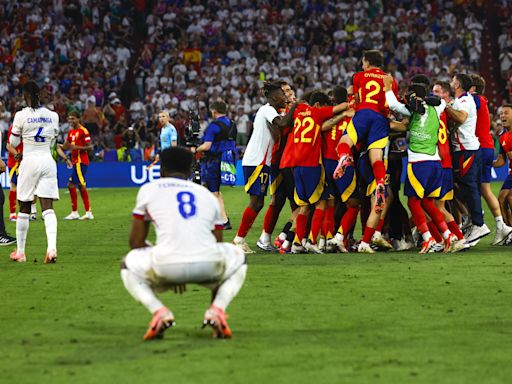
{"x": 38, "y": 138}
{"x": 186, "y": 206}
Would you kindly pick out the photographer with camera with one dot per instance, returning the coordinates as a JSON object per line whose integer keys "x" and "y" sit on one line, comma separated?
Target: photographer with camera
{"x": 218, "y": 139}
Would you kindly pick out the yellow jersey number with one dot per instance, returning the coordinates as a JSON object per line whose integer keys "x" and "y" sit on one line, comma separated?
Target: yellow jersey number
{"x": 442, "y": 134}
{"x": 307, "y": 126}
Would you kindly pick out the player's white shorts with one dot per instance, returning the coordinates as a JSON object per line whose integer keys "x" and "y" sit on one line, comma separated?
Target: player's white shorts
{"x": 37, "y": 176}
{"x": 209, "y": 269}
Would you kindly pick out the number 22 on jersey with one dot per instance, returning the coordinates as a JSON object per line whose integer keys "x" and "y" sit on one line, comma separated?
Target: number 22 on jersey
{"x": 301, "y": 130}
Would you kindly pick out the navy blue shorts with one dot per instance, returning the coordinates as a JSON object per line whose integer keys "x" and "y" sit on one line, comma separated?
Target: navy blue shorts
{"x": 423, "y": 179}
{"x": 210, "y": 175}
{"x": 486, "y": 157}
{"x": 370, "y": 128}
{"x": 446, "y": 185}
{"x": 507, "y": 184}
{"x": 256, "y": 179}
{"x": 345, "y": 186}
{"x": 309, "y": 185}
{"x": 78, "y": 174}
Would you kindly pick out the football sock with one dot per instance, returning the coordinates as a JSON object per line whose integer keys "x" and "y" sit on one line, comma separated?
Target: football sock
{"x": 269, "y": 222}
{"x": 368, "y": 234}
{"x": 343, "y": 149}
{"x": 379, "y": 171}
{"x": 33, "y": 208}
{"x": 328, "y": 223}
{"x": 140, "y": 290}
{"x": 74, "y": 198}
{"x": 265, "y": 237}
{"x": 380, "y": 224}
{"x": 230, "y": 288}
{"x": 426, "y": 235}
{"x": 499, "y": 220}
{"x": 22, "y": 224}
{"x": 418, "y": 216}
{"x": 349, "y": 220}
{"x": 85, "y": 198}
{"x": 435, "y": 214}
{"x": 435, "y": 233}
{"x": 284, "y": 233}
{"x": 50, "y": 223}
{"x": 12, "y": 201}
{"x": 247, "y": 220}
{"x": 300, "y": 230}
{"x": 454, "y": 228}
{"x": 316, "y": 224}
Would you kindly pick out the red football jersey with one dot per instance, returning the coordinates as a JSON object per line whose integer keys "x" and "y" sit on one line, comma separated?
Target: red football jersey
{"x": 279, "y": 145}
{"x": 443, "y": 143}
{"x": 79, "y": 136}
{"x": 287, "y": 157}
{"x": 483, "y": 124}
{"x": 506, "y": 146}
{"x": 331, "y": 138}
{"x": 307, "y": 141}
{"x": 11, "y": 161}
{"x": 369, "y": 86}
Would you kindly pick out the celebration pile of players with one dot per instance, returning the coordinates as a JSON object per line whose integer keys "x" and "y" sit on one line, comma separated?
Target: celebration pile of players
{"x": 337, "y": 155}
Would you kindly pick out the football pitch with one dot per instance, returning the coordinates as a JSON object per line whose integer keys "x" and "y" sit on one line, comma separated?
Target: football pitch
{"x": 384, "y": 318}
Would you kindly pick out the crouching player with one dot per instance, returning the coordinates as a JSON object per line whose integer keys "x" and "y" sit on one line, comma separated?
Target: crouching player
{"x": 424, "y": 172}
{"x": 189, "y": 247}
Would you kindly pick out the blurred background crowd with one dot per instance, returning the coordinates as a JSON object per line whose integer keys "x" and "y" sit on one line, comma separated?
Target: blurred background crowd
{"x": 121, "y": 62}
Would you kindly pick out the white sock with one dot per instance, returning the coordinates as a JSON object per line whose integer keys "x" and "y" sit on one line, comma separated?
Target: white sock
{"x": 339, "y": 236}
{"x": 230, "y": 288}
{"x": 499, "y": 222}
{"x": 282, "y": 236}
{"x": 140, "y": 290}
{"x": 50, "y": 222}
{"x": 446, "y": 234}
{"x": 376, "y": 235}
{"x": 427, "y": 235}
{"x": 33, "y": 208}
{"x": 239, "y": 239}
{"x": 265, "y": 237}
{"x": 22, "y": 224}
{"x": 286, "y": 244}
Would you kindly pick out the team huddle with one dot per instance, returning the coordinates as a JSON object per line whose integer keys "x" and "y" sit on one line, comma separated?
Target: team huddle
{"x": 336, "y": 154}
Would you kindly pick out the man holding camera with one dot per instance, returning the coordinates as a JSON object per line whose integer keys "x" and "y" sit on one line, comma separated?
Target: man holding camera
{"x": 219, "y": 136}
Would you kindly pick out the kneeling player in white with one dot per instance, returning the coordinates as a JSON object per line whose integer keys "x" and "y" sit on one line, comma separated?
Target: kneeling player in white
{"x": 188, "y": 249}
{"x": 38, "y": 128}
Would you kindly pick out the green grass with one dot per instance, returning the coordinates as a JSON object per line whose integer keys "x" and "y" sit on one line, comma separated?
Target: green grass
{"x": 388, "y": 318}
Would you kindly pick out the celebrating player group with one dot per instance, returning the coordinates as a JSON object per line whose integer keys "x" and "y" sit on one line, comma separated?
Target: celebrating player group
{"x": 338, "y": 153}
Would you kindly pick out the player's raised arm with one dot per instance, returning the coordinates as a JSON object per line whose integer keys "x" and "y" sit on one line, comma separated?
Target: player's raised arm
{"x": 391, "y": 99}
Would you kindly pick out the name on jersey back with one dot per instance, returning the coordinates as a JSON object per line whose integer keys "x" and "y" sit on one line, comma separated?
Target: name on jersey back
{"x": 46, "y": 120}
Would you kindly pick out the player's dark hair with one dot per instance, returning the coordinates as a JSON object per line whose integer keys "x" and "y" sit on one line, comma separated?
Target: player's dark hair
{"x": 464, "y": 81}
{"x": 32, "y": 90}
{"x": 374, "y": 57}
{"x": 269, "y": 87}
{"x": 176, "y": 160}
{"x": 282, "y": 83}
{"x": 219, "y": 106}
{"x": 443, "y": 84}
{"x": 507, "y": 105}
{"x": 419, "y": 85}
{"x": 339, "y": 94}
{"x": 319, "y": 97}
{"x": 74, "y": 114}
{"x": 478, "y": 83}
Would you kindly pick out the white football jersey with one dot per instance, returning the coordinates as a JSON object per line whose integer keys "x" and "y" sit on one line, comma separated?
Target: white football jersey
{"x": 464, "y": 137}
{"x": 259, "y": 148}
{"x": 183, "y": 214}
{"x": 38, "y": 129}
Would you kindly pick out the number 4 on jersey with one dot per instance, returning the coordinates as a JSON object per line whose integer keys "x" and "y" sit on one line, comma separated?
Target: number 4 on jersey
{"x": 38, "y": 138}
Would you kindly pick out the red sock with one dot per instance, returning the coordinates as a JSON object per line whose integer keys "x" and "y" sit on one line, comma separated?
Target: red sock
{"x": 348, "y": 220}
{"x": 418, "y": 216}
{"x": 85, "y": 198}
{"x": 316, "y": 224}
{"x": 343, "y": 149}
{"x": 368, "y": 233}
{"x": 454, "y": 228}
{"x": 301, "y": 222}
{"x": 328, "y": 223}
{"x": 380, "y": 225}
{"x": 435, "y": 214}
{"x": 434, "y": 232}
{"x": 74, "y": 198}
{"x": 12, "y": 201}
{"x": 379, "y": 171}
{"x": 270, "y": 220}
{"x": 247, "y": 220}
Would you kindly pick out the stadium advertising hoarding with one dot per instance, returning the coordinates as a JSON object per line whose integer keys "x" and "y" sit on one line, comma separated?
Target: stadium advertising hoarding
{"x": 123, "y": 174}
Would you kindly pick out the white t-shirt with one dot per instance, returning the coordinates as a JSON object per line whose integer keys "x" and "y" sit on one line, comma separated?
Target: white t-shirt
{"x": 38, "y": 129}
{"x": 183, "y": 214}
{"x": 464, "y": 138}
{"x": 259, "y": 148}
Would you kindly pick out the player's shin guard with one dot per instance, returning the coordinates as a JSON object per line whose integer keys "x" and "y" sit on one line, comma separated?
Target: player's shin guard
{"x": 74, "y": 198}
{"x": 247, "y": 220}
{"x": 85, "y": 198}
{"x": 12, "y": 202}
{"x": 140, "y": 290}
{"x": 316, "y": 224}
{"x": 230, "y": 288}
{"x": 22, "y": 224}
{"x": 50, "y": 223}
{"x": 301, "y": 223}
